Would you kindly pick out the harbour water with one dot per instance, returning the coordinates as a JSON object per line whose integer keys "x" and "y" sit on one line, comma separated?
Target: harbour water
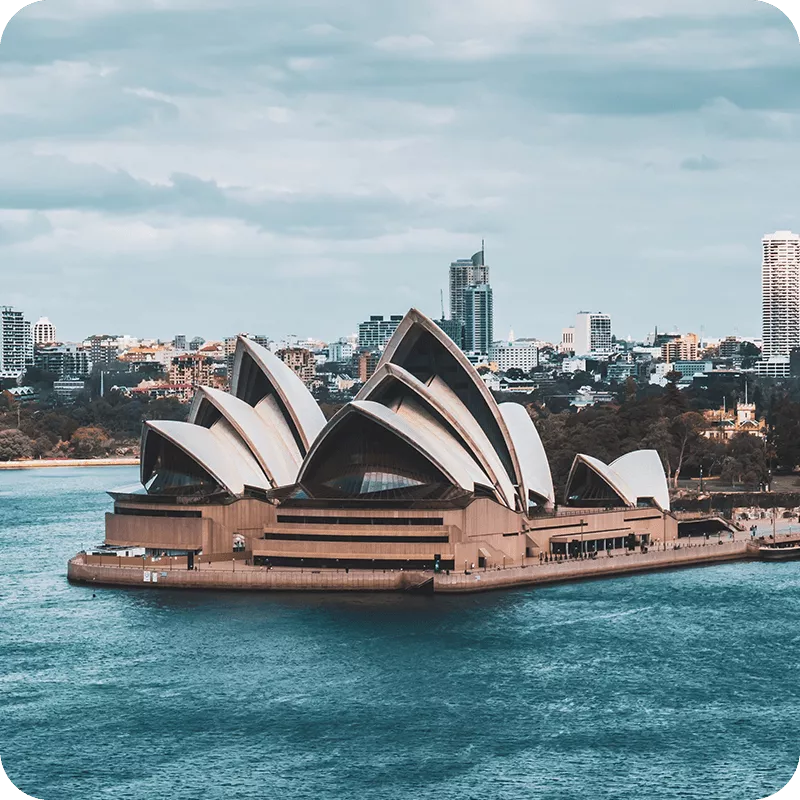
{"x": 664, "y": 685}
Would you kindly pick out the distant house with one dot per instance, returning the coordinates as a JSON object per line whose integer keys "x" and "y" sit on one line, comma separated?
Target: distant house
{"x": 21, "y": 394}
{"x": 722, "y": 424}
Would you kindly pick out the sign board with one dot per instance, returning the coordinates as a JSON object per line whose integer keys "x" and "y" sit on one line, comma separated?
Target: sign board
{"x": 155, "y": 577}
{"x": 146, "y": 576}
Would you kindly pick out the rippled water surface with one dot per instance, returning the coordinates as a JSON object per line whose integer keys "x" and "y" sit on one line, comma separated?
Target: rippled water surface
{"x": 679, "y": 684}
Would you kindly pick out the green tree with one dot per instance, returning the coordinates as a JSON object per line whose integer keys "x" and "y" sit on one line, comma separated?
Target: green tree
{"x": 745, "y": 462}
{"x": 630, "y": 390}
{"x": 785, "y": 433}
{"x": 15, "y": 445}
{"x": 89, "y": 442}
{"x": 686, "y": 438}
{"x": 659, "y": 438}
{"x": 515, "y": 374}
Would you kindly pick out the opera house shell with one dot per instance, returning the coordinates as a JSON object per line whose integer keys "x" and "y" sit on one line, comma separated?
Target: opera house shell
{"x": 423, "y": 470}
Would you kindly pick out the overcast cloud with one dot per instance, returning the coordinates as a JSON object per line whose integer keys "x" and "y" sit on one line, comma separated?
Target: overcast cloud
{"x": 211, "y": 167}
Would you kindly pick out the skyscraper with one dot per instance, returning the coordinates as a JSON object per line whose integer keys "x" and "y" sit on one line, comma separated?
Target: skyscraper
{"x": 592, "y": 334}
{"x": 464, "y": 273}
{"x": 376, "y": 331}
{"x": 780, "y": 293}
{"x": 478, "y": 318}
{"x": 44, "y": 332}
{"x": 16, "y": 342}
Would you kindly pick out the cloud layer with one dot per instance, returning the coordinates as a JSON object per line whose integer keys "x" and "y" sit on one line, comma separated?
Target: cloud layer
{"x": 200, "y": 166}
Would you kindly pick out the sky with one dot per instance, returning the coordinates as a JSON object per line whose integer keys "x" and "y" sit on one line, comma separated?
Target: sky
{"x": 220, "y": 166}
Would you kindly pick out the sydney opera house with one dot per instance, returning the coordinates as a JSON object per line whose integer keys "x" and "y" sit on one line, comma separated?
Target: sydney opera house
{"x": 424, "y": 470}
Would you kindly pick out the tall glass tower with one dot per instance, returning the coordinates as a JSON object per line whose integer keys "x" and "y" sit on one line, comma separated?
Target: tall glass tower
{"x": 464, "y": 273}
{"x": 478, "y": 319}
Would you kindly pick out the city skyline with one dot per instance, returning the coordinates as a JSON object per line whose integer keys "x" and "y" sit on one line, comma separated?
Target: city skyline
{"x": 267, "y": 162}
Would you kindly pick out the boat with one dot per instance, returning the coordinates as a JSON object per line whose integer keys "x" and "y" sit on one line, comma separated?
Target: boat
{"x": 779, "y": 552}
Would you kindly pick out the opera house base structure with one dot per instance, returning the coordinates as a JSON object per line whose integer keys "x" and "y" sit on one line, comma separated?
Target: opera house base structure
{"x": 422, "y": 482}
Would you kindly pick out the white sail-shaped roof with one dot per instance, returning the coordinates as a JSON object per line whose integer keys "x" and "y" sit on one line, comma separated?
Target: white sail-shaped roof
{"x": 536, "y": 476}
{"x": 421, "y": 347}
{"x": 279, "y": 463}
{"x": 452, "y": 462}
{"x": 301, "y": 410}
{"x": 215, "y": 450}
{"x": 643, "y": 472}
{"x": 421, "y": 418}
{"x": 270, "y": 412}
{"x": 634, "y": 476}
{"x": 612, "y": 478}
{"x": 441, "y": 400}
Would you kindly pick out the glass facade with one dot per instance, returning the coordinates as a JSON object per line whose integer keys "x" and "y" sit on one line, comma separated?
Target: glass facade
{"x": 364, "y": 460}
{"x": 588, "y": 489}
{"x": 170, "y": 471}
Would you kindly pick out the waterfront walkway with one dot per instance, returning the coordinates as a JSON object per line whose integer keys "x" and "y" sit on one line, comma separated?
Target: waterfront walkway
{"x": 238, "y": 574}
{"x": 39, "y": 463}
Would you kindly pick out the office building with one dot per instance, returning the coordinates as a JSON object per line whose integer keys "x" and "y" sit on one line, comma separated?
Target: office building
{"x": 478, "y": 318}
{"x": 16, "y": 343}
{"x": 522, "y": 354}
{"x": 104, "y": 349}
{"x": 780, "y": 293}
{"x": 67, "y": 389}
{"x": 567, "y": 344}
{"x": 681, "y": 348}
{"x": 64, "y": 360}
{"x": 620, "y": 371}
{"x": 44, "y": 332}
{"x": 340, "y": 351}
{"x": 454, "y": 328}
{"x": 464, "y": 273}
{"x": 729, "y": 347}
{"x": 774, "y": 367}
{"x": 179, "y": 342}
{"x": 376, "y": 331}
{"x": 593, "y": 334}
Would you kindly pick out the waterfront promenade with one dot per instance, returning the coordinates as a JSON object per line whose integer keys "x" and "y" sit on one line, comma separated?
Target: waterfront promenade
{"x": 237, "y": 574}
{"x": 35, "y": 463}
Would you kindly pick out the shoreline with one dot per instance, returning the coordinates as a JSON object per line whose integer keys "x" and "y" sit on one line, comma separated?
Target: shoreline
{"x": 230, "y": 576}
{"x": 70, "y": 462}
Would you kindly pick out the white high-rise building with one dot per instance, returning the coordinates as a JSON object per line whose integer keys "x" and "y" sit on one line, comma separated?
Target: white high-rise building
{"x": 16, "y": 342}
{"x": 340, "y": 351}
{"x": 44, "y": 332}
{"x": 780, "y": 293}
{"x": 592, "y": 334}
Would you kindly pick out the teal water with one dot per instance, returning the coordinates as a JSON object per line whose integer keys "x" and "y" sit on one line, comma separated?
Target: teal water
{"x": 671, "y": 685}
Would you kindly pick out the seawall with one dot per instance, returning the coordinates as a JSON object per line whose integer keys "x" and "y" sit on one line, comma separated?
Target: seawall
{"x": 587, "y": 569}
{"x": 239, "y": 576}
{"x": 69, "y": 462}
